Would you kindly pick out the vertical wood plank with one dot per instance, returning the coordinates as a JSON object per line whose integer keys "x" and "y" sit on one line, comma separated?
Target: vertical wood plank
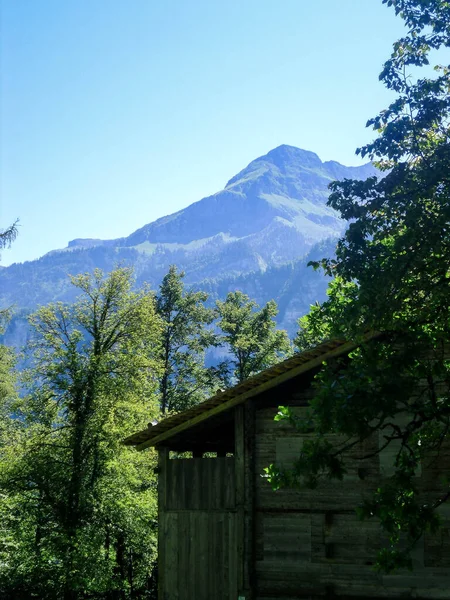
{"x": 181, "y": 485}
{"x": 207, "y": 485}
{"x": 249, "y": 470}
{"x": 202, "y": 590}
{"x": 183, "y": 553}
{"x": 229, "y": 554}
{"x": 171, "y": 580}
{"x": 191, "y": 559}
{"x": 212, "y": 555}
{"x": 239, "y": 461}
{"x": 163, "y": 459}
{"x": 188, "y": 484}
{"x": 170, "y": 483}
{"x": 218, "y": 550}
{"x": 231, "y": 488}
{"x": 197, "y": 483}
{"x": 233, "y": 554}
{"x": 218, "y": 483}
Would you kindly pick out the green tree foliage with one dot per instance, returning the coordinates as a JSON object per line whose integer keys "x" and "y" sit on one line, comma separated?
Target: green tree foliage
{"x": 249, "y": 335}
{"x": 78, "y": 509}
{"x": 392, "y": 274}
{"x": 7, "y": 364}
{"x": 185, "y": 380}
{"x": 7, "y": 376}
{"x": 8, "y": 235}
{"x": 8, "y": 398}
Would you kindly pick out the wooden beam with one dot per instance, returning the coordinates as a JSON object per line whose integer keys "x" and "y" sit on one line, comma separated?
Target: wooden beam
{"x": 302, "y": 368}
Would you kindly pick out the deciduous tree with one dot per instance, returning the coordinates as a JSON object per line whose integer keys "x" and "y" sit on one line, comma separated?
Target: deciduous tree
{"x": 392, "y": 274}
{"x": 82, "y": 507}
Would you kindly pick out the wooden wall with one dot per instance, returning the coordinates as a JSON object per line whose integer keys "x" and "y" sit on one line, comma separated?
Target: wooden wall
{"x": 224, "y": 534}
{"x": 310, "y": 544}
{"x": 197, "y": 484}
{"x": 198, "y": 525}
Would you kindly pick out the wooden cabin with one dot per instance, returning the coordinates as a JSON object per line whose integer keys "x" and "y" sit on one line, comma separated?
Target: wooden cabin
{"x": 224, "y": 534}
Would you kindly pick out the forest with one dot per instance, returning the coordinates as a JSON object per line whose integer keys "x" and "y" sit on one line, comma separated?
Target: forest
{"x": 78, "y": 509}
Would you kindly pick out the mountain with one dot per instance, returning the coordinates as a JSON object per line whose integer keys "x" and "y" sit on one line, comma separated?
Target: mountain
{"x": 263, "y": 223}
{"x": 285, "y": 189}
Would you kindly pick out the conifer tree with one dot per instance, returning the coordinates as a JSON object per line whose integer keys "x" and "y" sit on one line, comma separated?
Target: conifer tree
{"x": 8, "y": 235}
{"x": 249, "y": 335}
{"x": 185, "y": 337}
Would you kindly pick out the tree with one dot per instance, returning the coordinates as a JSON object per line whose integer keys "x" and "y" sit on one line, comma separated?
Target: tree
{"x": 249, "y": 334}
{"x": 391, "y": 274}
{"x": 185, "y": 380}
{"x": 8, "y": 235}
{"x": 7, "y": 364}
{"x": 8, "y": 396}
{"x": 82, "y": 507}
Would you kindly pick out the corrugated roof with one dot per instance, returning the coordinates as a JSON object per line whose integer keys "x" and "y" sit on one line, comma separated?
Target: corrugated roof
{"x": 283, "y": 371}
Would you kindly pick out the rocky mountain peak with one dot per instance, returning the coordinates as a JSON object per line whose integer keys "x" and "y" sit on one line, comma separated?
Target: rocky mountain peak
{"x": 284, "y": 155}
{"x": 280, "y": 162}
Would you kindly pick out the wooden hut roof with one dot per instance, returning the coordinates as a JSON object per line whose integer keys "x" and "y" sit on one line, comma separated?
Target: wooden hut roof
{"x": 301, "y": 362}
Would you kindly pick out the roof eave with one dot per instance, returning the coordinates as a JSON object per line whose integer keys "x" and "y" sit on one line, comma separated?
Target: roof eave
{"x": 240, "y": 393}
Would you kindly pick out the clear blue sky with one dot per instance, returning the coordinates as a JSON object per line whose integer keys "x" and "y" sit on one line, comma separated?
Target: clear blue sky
{"x": 117, "y": 112}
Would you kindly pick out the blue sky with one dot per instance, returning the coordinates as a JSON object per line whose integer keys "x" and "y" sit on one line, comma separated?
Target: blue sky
{"x": 117, "y": 112}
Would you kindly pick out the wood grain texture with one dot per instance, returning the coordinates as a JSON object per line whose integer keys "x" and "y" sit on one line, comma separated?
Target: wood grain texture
{"x": 200, "y": 484}
{"x": 199, "y": 560}
{"x": 310, "y": 543}
{"x": 249, "y": 499}
{"x": 239, "y": 456}
{"x": 163, "y": 459}
{"x": 224, "y": 532}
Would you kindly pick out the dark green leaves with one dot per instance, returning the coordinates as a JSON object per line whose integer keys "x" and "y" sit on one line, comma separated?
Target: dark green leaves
{"x": 392, "y": 274}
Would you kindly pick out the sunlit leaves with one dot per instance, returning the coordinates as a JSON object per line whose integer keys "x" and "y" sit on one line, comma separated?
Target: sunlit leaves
{"x": 185, "y": 337}
{"x": 249, "y": 335}
{"x": 80, "y": 506}
{"x": 392, "y": 274}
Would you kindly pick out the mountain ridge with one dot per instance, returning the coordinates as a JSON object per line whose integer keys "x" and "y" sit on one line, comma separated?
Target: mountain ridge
{"x": 271, "y": 213}
{"x": 258, "y": 179}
